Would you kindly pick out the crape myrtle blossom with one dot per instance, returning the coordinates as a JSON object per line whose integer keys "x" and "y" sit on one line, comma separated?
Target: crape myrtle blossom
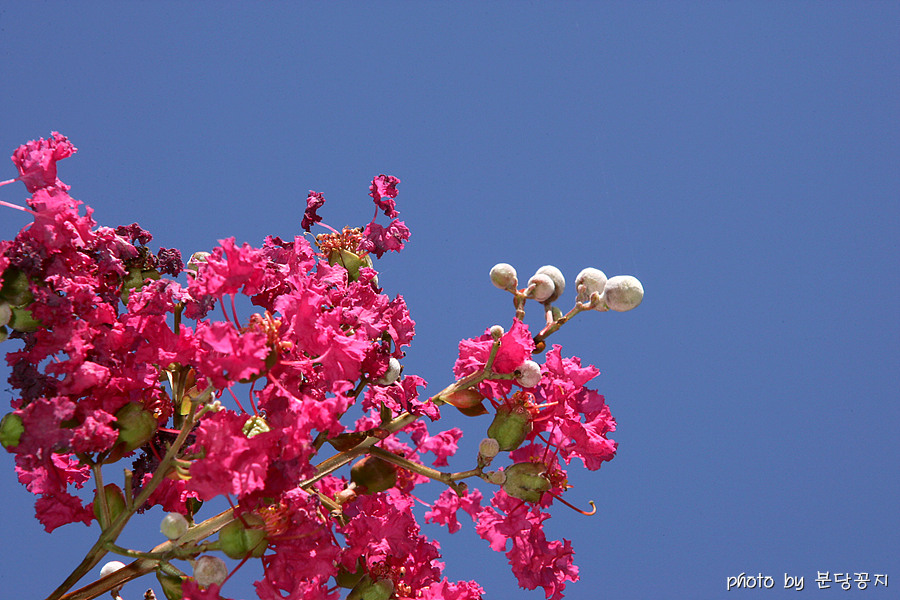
{"x": 122, "y": 355}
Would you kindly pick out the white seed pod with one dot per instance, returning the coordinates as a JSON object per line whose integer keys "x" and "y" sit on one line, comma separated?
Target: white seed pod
{"x": 559, "y": 282}
{"x": 209, "y": 570}
{"x": 489, "y": 448}
{"x": 392, "y": 374}
{"x": 543, "y": 287}
{"x": 173, "y": 526}
{"x": 503, "y": 276}
{"x": 622, "y": 292}
{"x": 590, "y": 280}
{"x": 529, "y": 374}
{"x": 111, "y": 567}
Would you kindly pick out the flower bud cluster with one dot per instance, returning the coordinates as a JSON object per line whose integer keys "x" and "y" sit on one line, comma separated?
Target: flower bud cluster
{"x": 620, "y": 293}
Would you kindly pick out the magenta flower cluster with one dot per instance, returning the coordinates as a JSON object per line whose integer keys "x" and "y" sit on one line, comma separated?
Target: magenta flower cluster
{"x": 119, "y": 362}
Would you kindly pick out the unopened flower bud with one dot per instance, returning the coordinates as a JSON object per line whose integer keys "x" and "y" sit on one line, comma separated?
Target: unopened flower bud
{"x": 173, "y": 525}
{"x": 496, "y": 477}
{"x": 466, "y": 398}
{"x": 623, "y": 292}
{"x": 497, "y": 331}
{"x": 528, "y": 374}
{"x": 541, "y": 287}
{"x": 373, "y": 474}
{"x": 489, "y": 448}
{"x": 589, "y": 280}
{"x": 243, "y": 536}
{"x": 209, "y": 570}
{"x": 392, "y": 374}
{"x": 510, "y": 427}
{"x": 5, "y": 313}
{"x": 526, "y": 481}
{"x": 559, "y": 282}
{"x": 111, "y": 567}
{"x": 504, "y": 276}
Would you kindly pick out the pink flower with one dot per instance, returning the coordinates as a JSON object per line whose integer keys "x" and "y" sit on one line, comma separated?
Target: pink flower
{"x": 516, "y": 346}
{"x": 445, "y": 508}
{"x": 36, "y": 161}
{"x": 232, "y": 463}
{"x": 378, "y": 239}
{"x": 383, "y": 191}
{"x": 461, "y": 590}
{"x": 314, "y": 201}
{"x": 59, "y": 509}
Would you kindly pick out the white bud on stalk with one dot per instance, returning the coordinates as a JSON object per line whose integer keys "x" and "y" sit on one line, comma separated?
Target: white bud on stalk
{"x": 497, "y": 332}
{"x": 504, "y": 276}
{"x": 392, "y": 374}
{"x": 111, "y": 567}
{"x": 209, "y": 570}
{"x": 173, "y": 526}
{"x": 622, "y": 292}
{"x": 543, "y": 287}
{"x": 529, "y": 374}
{"x": 489, "y": 448}
{"x": 556, "y": 276}
{"x": 590, "y": 280}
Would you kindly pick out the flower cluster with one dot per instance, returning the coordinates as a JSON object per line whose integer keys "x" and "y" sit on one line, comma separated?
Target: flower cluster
{"x": 127, "y": 355}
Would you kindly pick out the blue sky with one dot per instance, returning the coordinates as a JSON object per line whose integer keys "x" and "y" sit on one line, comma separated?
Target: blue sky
{"x": 740, "y": 158}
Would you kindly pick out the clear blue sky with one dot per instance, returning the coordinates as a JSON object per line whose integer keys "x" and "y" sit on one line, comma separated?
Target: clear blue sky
{"x": 740, "y": 158}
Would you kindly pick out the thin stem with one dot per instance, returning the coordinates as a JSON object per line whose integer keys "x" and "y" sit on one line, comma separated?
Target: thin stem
{"x": 405, "y": 463}
{"x": 553, "y": 327}
{"x": 109, "y": 535}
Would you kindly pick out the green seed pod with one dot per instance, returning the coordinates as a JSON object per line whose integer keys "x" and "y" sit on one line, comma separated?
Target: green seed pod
{"x": 237, "y": 540}
{"x": 348, "y": 579}
{"x": 136, "y": 426}
{"x": 350, "y": 261}
{"x": 115, "y": 502}
{"x": 510, "y": 427}
{"x": 373, "y": 474}
{"x": 367, "y": 589}
{"x": 526, "y": 481}
{"x": 11, "y": 430}
{"x": 16, "y": 287}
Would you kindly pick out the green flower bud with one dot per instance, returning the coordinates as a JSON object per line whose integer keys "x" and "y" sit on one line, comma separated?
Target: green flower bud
{"x": 510, "y": 427}
{"x": 349, "y": 579}
{"x": 136, "y": 426}
{"x": 115, "y": 502}
{"x": 526, "y": 481}
{"x": 135, "y": 280}
{"x": 489, "y": 448}
{"x": 11, "y": 430}
{"x": 238, "y": 539}
{"x": 373, "y": 474}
